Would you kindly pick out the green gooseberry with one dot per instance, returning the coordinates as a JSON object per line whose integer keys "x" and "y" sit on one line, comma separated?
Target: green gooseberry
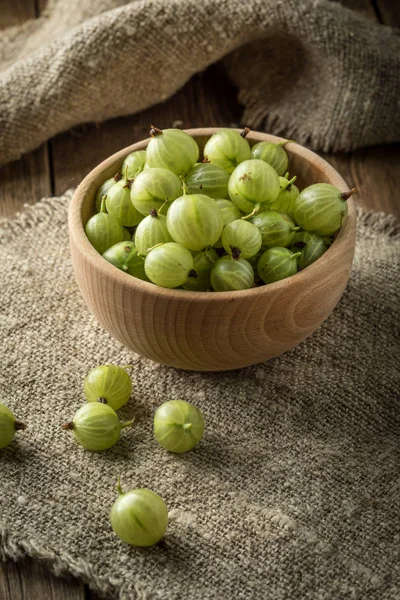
{"x": 152, "y": 188}
{"x": 195, "y": 221}
{"x": 328, "y": 240}
{"x": 8, "y": 426}
{"x": 287, "y": 196}
{"x": 253, "y": 260}
{"x": 139, "y": 517}
{"x": 227, "y": 148}
{"x": 103, "y": 230}
{"x": 169, "y": 265}
{"x": 96, "y": 426}
{"x": 119, "y": 204}
{"x": 172, "y": 149}
{"x": 150, "y": 232}
{"x": 208, "y": 179}
{"x": 276, "y": 228}
{"x": 241, "y": 239}
{"x": 321, "y": 208}
{"x": 230, "y": 212}
{"x": 253, "y": 184}
{"x": 273, "y": 154}
{"x": 133, "y": 164}
{"x": 311, "y": 247}
{"x": 109, "y": 384}
{"x": 102, "y": 191}
{"x": 202, "y": 263}
{"x": 178, "y": 426}
{"x": 231, "y": 275}
{"x": 276, "y": 264}
{"x": 124, "y": 256}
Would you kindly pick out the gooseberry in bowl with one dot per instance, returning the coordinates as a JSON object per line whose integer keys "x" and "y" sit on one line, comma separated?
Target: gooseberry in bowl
{"x": 219, "y": 330}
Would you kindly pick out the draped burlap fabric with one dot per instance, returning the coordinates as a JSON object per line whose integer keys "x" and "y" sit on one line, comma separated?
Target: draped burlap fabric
{"x": 293, "y": 492}
{"x": 311, "y": 70}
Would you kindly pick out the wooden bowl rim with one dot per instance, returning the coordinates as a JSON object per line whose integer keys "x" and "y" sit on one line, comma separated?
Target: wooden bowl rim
{"x": 304, "y": 277}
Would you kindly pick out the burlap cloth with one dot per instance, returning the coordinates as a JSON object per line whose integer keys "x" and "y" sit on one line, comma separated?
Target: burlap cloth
{"x": 310, "y": 70}
{"x": 294, "y": 491}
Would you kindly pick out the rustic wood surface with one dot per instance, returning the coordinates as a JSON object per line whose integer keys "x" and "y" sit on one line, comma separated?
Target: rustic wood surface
{"x": 65, "y": 160}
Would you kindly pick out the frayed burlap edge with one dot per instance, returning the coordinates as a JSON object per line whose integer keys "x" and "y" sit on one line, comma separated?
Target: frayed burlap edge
{"x": 61, "y": 563}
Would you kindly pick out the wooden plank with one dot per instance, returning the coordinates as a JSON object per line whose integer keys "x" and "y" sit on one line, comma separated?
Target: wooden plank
{"x": 364, "y": 7}
{"x": 388, "y": 12}
{"x": 30, "y": 580}
{"x": 40, "y": 6}
{"x": 208, "y": 99}
{"x": 16, "y": 12}
{"x": 24, "y": 181}
{"x": 375, "y": 173}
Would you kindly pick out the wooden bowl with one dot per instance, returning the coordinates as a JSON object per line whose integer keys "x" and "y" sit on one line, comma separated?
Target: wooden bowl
{"x": 211, "y": 331}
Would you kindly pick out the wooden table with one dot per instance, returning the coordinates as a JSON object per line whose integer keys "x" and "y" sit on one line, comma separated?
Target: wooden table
{"x": 63, "y": 161}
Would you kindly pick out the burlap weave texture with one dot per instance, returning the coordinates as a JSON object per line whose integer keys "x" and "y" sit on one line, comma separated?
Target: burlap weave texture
{"x": 292, "y": 494}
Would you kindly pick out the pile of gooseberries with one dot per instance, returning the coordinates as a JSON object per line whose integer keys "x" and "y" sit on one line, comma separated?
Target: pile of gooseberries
{"x": 233, "y": 221}
{"x": 139, "y": 516}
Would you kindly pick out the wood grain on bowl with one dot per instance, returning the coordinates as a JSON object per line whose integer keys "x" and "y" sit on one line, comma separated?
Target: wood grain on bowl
{"x": 211, "y": 331}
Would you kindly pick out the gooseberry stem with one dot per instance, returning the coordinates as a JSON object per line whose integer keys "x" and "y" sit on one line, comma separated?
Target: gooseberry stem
{"x": 127, "y": 423}
{"x": 154, "y": 131}
{"x": 187, "y": 426}
{"x": 346, "y": 195}
{"x": 245, "y": 132}
{"x": 19, "y": 426}
{"x": 162, "y": 206}
{"x": 152, "y": 248}
{"x": 184, "y": 186}
{"x": 297, "y": 228}
{"x": 208, "y": 256}
{"x": 68, "y": 426}
{"x": 103, "y": 205}
{"x": 288, "y": 185}
{"x": 119, "y": 488}
{"x": 295, "y": 255}
{"x": 253, "y": 212}
{"x": 285, "y": 142}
